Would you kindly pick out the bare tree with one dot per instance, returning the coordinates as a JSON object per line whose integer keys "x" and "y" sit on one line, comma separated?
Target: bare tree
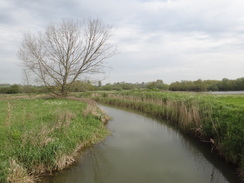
{"x": 66, "y": 51}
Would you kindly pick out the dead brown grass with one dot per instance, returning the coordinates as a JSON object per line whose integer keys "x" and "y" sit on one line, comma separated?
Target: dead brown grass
{"x": 17, "y": 174}
{"x": 92, "y": 109}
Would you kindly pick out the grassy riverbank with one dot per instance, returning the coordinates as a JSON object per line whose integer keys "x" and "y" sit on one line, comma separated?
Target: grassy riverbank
{"x": 39, "y": 136}
{"x": 216, "y": 119}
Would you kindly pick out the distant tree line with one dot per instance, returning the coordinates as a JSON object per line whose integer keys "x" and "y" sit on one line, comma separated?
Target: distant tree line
{"x": 77, "y": 86}
{"x": 154, "y": 85}
{"x": 15, "y": 88}
{"x": 82, "y": 86}
{"x": 9, "y": 89}
{"x": 208, "y": 85}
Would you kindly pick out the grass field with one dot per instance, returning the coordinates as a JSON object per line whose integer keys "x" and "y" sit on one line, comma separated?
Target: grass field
{"x": 39, "y": 136}
{"x": 217, "y": 119}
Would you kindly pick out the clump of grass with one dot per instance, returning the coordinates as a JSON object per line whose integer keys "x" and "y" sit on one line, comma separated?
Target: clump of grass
{"x": 18, "y": 174}
{"x": 94, "y": 111}
{"x": 44, "y": 135}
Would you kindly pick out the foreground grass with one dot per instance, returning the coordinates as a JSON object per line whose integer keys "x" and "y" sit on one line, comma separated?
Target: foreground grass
{"x": 217, "y": 119}
{"x": 39, "y": 136}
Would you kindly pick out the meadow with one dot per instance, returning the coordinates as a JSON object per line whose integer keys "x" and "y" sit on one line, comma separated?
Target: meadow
{"x": 214, "y": 119}
{"x": 39, "y": 136}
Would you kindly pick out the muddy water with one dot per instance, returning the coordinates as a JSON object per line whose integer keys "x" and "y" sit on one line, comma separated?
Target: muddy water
{"x": 142, "y": 150}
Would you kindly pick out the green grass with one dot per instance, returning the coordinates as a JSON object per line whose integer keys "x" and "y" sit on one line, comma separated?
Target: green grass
{"x": 217, "y": 119}
{"x": 43, "y": 135}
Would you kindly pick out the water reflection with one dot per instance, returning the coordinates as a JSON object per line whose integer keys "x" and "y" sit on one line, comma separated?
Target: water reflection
{"x": 224, "y": 92}
{"x": 99, "y": 162}
{"x": 143, "y": 150}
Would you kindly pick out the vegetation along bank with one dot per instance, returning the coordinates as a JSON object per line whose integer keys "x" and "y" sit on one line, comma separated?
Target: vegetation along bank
{"x": 217, "y": 119}
{"x": 39, "y": 136}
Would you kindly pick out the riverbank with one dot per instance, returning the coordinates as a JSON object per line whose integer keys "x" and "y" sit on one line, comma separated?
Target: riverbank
{"x": 217, "y": 120}
{"x": 39, "y": 136}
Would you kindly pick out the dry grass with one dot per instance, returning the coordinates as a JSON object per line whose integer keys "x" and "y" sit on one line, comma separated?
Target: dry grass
{"x": 100, "y": 114}
{"x": 64, "y": 119}
{"x": 18, "y": 174}
{"x": 10, "y": 108}
{"x": 65, "y": 161}
{"x": 40, "y": 138}
{"x": 92, "y": 109}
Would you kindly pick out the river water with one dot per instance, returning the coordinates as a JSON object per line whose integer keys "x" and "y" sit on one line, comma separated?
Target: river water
{"x": 224, "y": 92}
{"x": 143, "y": 150}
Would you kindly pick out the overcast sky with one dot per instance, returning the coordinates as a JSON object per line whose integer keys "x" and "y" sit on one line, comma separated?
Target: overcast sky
{"x": 171, "y": 40}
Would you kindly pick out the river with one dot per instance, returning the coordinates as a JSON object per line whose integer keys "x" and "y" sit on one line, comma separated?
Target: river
{"x": 224, "y": 92}
{"x": 144, "y": 150}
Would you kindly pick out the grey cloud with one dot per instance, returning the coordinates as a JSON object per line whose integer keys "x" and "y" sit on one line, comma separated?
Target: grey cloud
{"x": 175, "y": 16}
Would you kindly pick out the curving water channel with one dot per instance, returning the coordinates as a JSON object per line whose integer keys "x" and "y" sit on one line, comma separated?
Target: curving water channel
{"x": 143, "y": 150}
